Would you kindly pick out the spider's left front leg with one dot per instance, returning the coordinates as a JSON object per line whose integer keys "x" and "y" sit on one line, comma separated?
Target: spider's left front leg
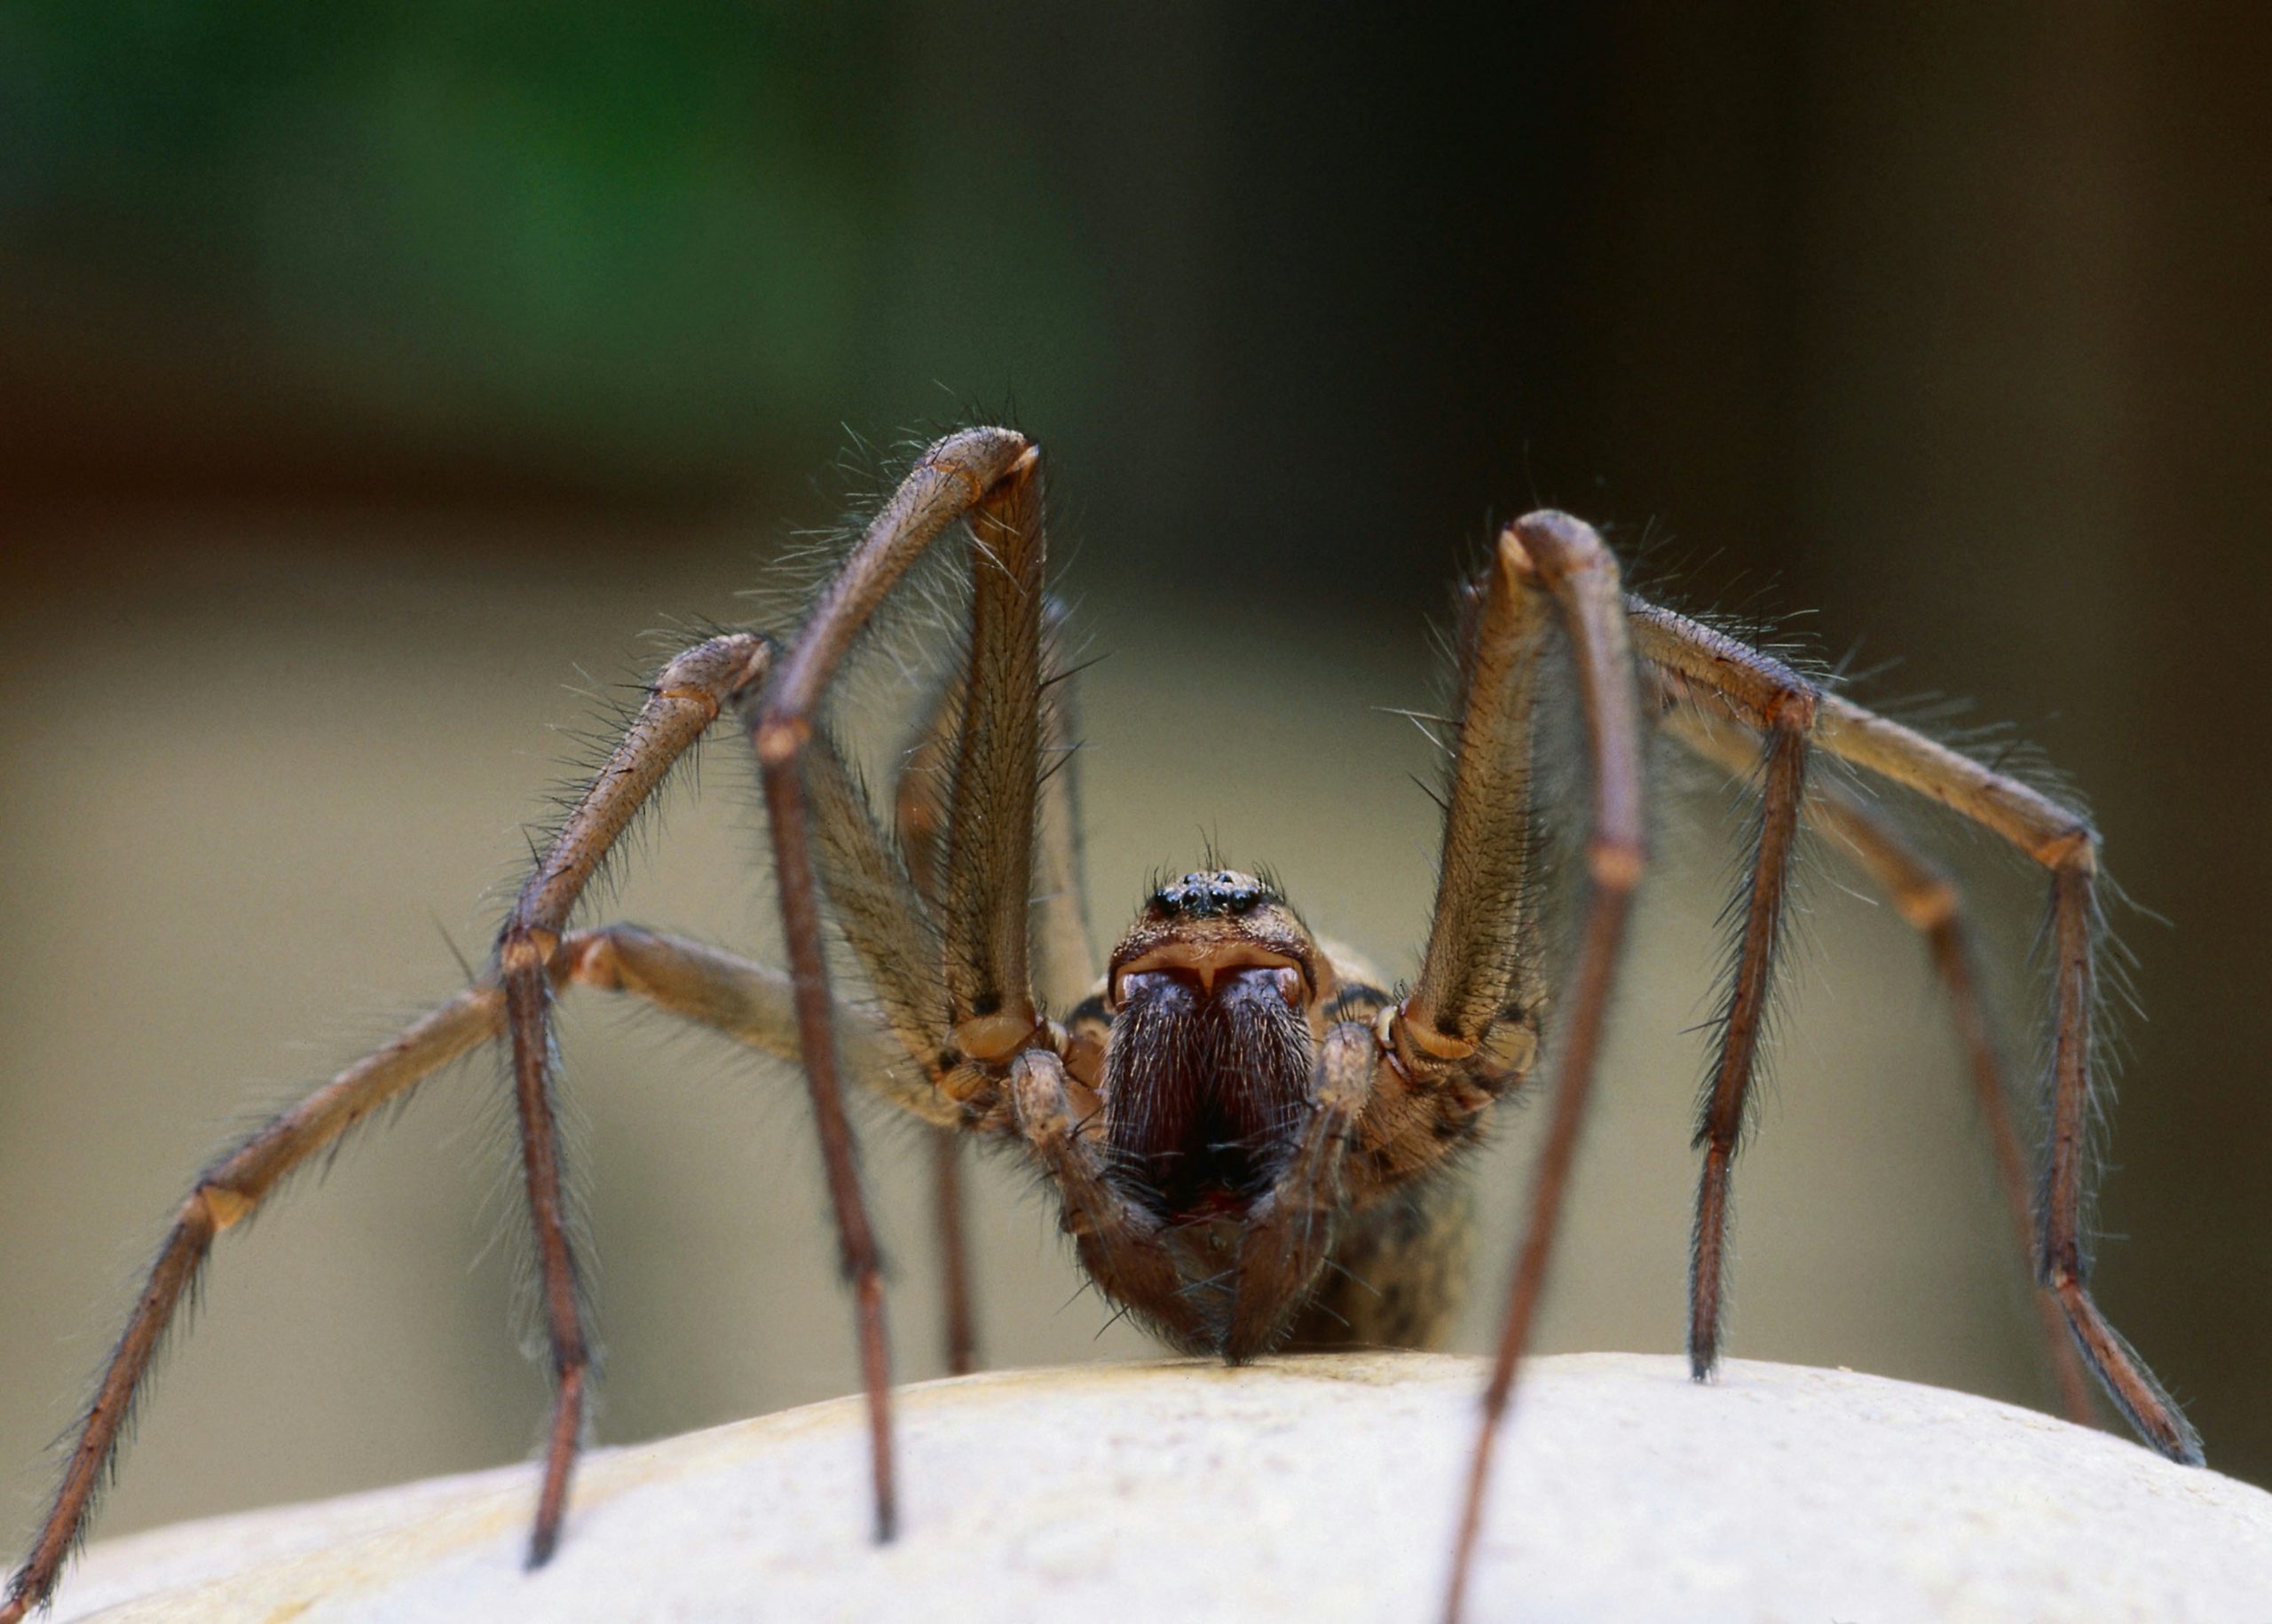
{"x": 989, "y": 477}
{"x": 686, "y": 698}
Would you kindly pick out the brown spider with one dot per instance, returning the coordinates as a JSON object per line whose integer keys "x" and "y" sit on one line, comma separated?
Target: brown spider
{"x": 1248, "y": 1129}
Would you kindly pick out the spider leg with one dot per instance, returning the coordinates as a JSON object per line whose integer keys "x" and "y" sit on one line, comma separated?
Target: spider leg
{"x": 1544, "y": 558}
{"x": 225, "y": 1193}
{"x": 1928, "y": 899}
{"x": 918, "y": 820}
{"x": 982, "y": 825}
{"x": 683, "y": 700}
{"x": 2063, "y": 842}
{"x": 1484, "y": 905}
{"x": 959, "y": 1310}
{"x": 745, "y": 1001}
{"x": 890, "y": 924}
{"x": 1721, "y": 1124}
{"x": 987, "y": 473}
{"x": 1779, "y": 705}
{"x": 754, "y": 1004}
{"x": 993, "y": 798}
{"x": 1066, "y": 968}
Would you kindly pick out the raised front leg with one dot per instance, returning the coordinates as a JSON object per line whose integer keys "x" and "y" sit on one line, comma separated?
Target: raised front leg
{"x": 987, "y": 475}
{"x": 1548, "y": 560}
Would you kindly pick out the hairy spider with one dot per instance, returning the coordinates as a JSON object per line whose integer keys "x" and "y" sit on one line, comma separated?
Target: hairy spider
{"x": 1250, "y": 1130}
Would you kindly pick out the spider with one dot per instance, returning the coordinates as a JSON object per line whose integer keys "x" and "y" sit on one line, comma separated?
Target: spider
{"x": 1253, "y": 1137}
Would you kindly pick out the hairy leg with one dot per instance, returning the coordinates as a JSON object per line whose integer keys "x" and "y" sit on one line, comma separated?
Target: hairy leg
{"x": 745, "y": 1001}
{"x": 939, "y": 917}
{"x": 986, "y": 474}
{"x": 1929, "y": 900}
{"x": 1483, "y": 906}
{"x": 1780, "y": 706}
{"x": 919, "y": 802}
{"x": 1552, "y": 558}
{"x": 2063, "y": 842}
{"x": 1065, "y": 965}
{"x": 1066, "y": 969}
{"x": 684, "y": 699}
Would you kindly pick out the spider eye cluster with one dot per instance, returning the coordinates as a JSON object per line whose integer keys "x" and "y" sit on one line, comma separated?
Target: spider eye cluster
{"x": 1198, "y": 896}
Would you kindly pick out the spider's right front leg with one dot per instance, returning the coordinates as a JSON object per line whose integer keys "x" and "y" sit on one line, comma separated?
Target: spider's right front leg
{"x": 1474, "y": 979}
{"x": 2056, "y": 838}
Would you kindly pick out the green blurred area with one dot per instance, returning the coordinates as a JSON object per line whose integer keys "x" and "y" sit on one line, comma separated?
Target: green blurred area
{"x": 641, "y": 243}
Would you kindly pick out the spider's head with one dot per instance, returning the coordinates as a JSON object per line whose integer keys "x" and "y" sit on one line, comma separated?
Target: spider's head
{"x": 1219, "y": 926}
{"x": 1215, "y": 995}
{"x": 1197, "y": 895}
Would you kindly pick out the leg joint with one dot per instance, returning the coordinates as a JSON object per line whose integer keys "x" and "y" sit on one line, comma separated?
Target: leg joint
{"x": 526, "y": 947}
{"x": 1791, "y": 707}
{"x": 993, "y": 1039}
{"x": 2073, "y": 850}
{"x": 720, "y": 668}
{"x": 1931, "y": 908}
{"x": 1547, "y": 547}
{"x": 1615, "y": 862}
{"x": 213, "y": 1208}
{"x": 588, "y": 958}
{"x": 779, "y": 736}
{"x": 1416, "y": 1029}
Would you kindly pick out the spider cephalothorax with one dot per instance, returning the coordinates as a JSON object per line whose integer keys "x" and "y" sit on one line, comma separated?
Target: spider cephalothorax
{"x": 1246, "y": 1132}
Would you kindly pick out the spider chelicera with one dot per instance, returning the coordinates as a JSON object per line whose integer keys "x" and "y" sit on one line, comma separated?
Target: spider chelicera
{"x": 1249, "y": 1129}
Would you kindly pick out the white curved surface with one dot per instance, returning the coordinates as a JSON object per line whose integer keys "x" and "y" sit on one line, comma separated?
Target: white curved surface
{"x": 1311, "y": 1489}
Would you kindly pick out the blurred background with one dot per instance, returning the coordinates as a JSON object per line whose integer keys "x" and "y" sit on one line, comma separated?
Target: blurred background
{"x": 376, "y": 378}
